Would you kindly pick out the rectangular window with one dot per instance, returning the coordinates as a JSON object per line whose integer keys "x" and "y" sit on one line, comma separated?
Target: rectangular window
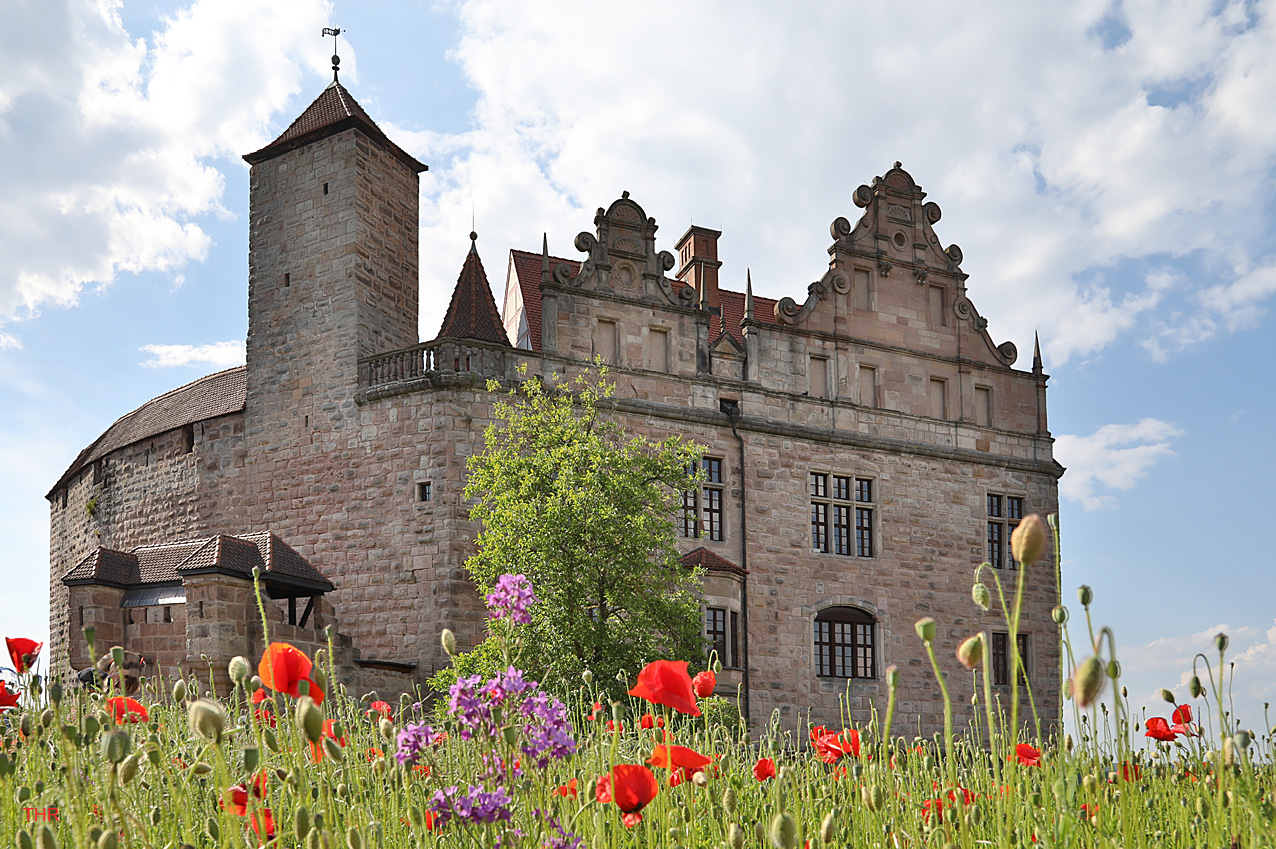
{"x": 657, "y": 352}
{"x": 716, "y": 631}
{"x": 868, "y": 386}
{"x": 1004, "y": 514}
{"x": 687, "y": 524}
{"x": 849, "y": 504}
{"x": 423, "y": 491}
{"x": 734, "y": 640}
{"x": 1002, "y": 660}
{"x": 605, "y": 341}
{"x": 844, "y": 649}
{"x": 983, "y": 406}
{"x": 860, "y": 290}
{"x": 818, "y": 376}
{"x": 935, "y": 307}
{"x": 713, "y": 498}
{"x": 938, "y": 398}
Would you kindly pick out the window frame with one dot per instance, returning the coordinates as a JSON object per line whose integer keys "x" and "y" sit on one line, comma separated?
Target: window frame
{"x": 703, "y": 512}
{"x": 831, "y": 651}
{"x": 842, "y": 523}
{"x": 1003, "y": 512}
{"x": 1000, "y": 657}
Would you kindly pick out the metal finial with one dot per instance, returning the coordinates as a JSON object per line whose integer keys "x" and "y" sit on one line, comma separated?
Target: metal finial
{"x": 473, "y": 242}
{"x": 336, "y": 60}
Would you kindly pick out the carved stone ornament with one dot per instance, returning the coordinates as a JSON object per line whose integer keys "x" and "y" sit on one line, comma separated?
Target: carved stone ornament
{"x": 954, "y": 254}
{"x": 932, "y": 213}
{"x": 965, "y": 310}
{"x": 840, "y": 228}
{"x": 787, "y": 310}
{"x": 899, "y": 213}
{"x": 920, "y": 275}
{"x": 885, "y": 266}
{"x": 863, "y": 196}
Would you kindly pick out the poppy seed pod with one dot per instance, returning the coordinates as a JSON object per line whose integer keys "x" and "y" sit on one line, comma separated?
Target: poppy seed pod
{"x": 981, "y": 595}
{"x": 971, "y": 651}
{"x": 1088, "y": 681}
{"x": 354, "y": 839}
{"x": 1085, "y": 595}
{"x": 759, "y": 830}
{"x": 117, "y": 656}
{"x": 1220, "y": 642}
{"x": 783, "y": 832}
{"x": 925, "y": 628}
{"x": 1167, "y": 695}
{"x": 23, "y": 840}
{"x": 239, "y": 668}
{"x": 449, "y": 642}
{"x": 310, "y": 718}
{"x": 1029, "y": 539}
{"x": 735, "y": 836}
{"x": 1243, "y": 739}
{"x": 45, "y": 838}
{"x": 107, "y": 840}
{"x": 301, "y": 822}
{"x": 892, "y": 676}
{"x": 874, "y": 796}
{"x": 1194, "y": 687}
{"x": 730, "y": 801}
{"x": 115, "y": 746}
{"x": 207, "y": 719}
{"x": 1059, "y": 614}
{"x": 179, "y": 690}
{"x": 128, "y": 767}
{"x": 828, "y": 828}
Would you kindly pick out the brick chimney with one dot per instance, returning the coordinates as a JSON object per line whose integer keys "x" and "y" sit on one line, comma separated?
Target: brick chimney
{"x": 698, "y": 253}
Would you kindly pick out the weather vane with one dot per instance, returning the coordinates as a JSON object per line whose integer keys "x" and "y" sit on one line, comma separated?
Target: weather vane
{"x": 336, "y": 60}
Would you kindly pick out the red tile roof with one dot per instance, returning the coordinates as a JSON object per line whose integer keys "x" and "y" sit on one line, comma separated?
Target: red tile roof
{"x": 211, "y": 396}
{"x": 333, "y": 111}
{"x": 527, "y": 267}
{"x": 712, "y": 562}
{"x": 472, "y": 312}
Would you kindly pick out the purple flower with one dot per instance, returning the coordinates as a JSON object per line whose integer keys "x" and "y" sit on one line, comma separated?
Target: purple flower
{"x": 510, "y": 598}
{"x": 467, "y": 707}
{"x": 547, "y": 733}
{"x": 506, "y": 684}
{"x": 412, "y": 741}
{"x": 474, "y": 805}
{"x": 564, "y": 839}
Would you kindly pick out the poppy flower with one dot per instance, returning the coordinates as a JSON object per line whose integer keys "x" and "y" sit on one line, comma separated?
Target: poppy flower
{"x": 1027, "y": 755}
{"x": 126, "y": 710}
{"x": 764, "y": 769}
{"x": 382, "y": 708}
{"x": 631, "y": 787}
{"x": 936, "y": 806}
{"x": 650, "y": 721}
{"x": 1182, "y": 719}
{"x": 1159, "y": 729}
{"x": 612, "y": 726}
{"x": 593, "y": 714}
{"x": 8, "y": 699}
{"x": 666, "y": 682}
{"x": 1131, "y": 772}
{"x": 704, "y": 683}
{"x": 677, "y": 757}
{"x": 316, "y": 749}
{"x": 20, "y": 649}
{"x": 569, "y": 789}
{"x": 374, "y": 753}
{"x": 831, "y": 747}
{"x": 235, "y": 799}
{"x": 264, "y": 823}
{"x": 422, "y": 770}
{"x": 284, "y": 667}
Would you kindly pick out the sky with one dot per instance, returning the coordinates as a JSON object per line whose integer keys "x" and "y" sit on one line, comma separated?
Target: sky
{"x": 1106, "y": 167}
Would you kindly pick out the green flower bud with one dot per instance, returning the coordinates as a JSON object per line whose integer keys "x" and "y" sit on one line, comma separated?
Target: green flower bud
{"x": 759, "y": 831}
{"x": 117, "y": 656}
{"x": 1114, "y": 669}
{"x": 128, "y": 768}
{"x": 1090, "y": 783}
{"x": 700, "y": 779}
{"x": 91, "y": 727}
{"x": 1167, "y": 695}
{"x": 1059, "y": 614}
{"x": 971, "y": 651}
{"x": 735, "y": 836}
{"x": 892, "y": 676}
{"x": 925, "y": 628}
{"x": 272, "y": 742}
{"x": 783, "y": 832}
{"x": 213, "y": 830}
{"x": 1220, "y": 642}
{"x": 90, "y": 636}
{"x": 201, "y": 768}
{"x": 107, "y": 839}
{"x": 239, "y": 668}
{"x": 310, "y": 718}
{"x": 981, "y": 595}
{"x": 55, "y": 693}
{"x": 874, "y": 796}
{"x": 45, "y": 839}
{"x": 510, "y": 734}
{"x": 115, "y": 746}
{"x": 22, "y": 840}
{"x": 1194, "y": 687}
{"x": 828, "y": 828}
{"x": 730, "y": 801}
{"x": 343, "y": 790}
{"x": 1029, "y": 539}
{"x": 206, "y": 719}
{"x": 46, "y": 717}
{"x": 587, "y": 677}
{"x": 1085, "y": 595}
{"x": 354, "y": 840}
{"x": 252, "y": 757}
{"x": 1243, "y": 739}
{"x": 333, "y": 749}
{"x": 386, "y": 727}
{"x": 179, "y": 690}
{"x": 416, "y": 817}
{"x": 301, "y": 822}
{"x": 449, "y": 642}
{"x": 1088, "y": 681}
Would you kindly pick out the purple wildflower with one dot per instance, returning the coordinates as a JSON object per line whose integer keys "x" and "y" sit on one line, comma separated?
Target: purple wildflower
{"x": 467, "y": 707}
{"x": 474, "y": 805}
{"x": 412, "y": 741}
{"x": 564, "y": 839}
{"x": 510, "y": 598}
{"x": 547, "y": 733}
{"x": 506, "y": 684}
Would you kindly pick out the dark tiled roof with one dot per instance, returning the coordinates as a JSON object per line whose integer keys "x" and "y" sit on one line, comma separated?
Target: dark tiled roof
{"x": 229, "y": 555}
{"x": 527, "y": 267}
{"x": 333, "y": 111}
{"x": 714, "y": 563}
{"x": 211, "y": 396}
{"x": 472, "y": 313}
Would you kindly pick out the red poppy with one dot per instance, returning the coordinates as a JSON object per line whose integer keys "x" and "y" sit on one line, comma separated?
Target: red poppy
{"x": 764, "y": 769}
{"x": 126, "y": 710}
{"x": 1182, "y": 719}
{"x": 374, "y": 753}
{"x": 1131, "y": 772}
{"x": 936, "y": 806}
{"x": 602, "y": 790}
{"x": 316, "y": 749}
{"x": 1159, "y": 729}
{"x": 8, "y": 699}
{"x": 632, "y": 787}
{"x": 666, "y": 682}
{"x": 422, "y": 770}
{"x": 650, "y": 721}
{"x": 263, "y": 821}
{"x": 833, "y": 746}
{"x": 266, "y": 717}
{"x": 20, "y": 649}
{"x": 704, "y": 683}
{"x": 382, "y": 708}
{"x": 568, "y": 789}
{"x": 612, "y": 726}
{"x": 235, "y": 799}
{"x": 817, "y": 732}
{"x": 283, "y": 667}
{"x": 1027, "y": 755}
{"x": 593, "y": 714}
{"x": 259, "y": 696}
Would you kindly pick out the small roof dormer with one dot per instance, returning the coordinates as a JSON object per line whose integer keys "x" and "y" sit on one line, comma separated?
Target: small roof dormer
{"x": 472, "y": 313}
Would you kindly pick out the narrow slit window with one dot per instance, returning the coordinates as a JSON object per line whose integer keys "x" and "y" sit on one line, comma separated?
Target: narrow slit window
{"x": 424, "y": 491}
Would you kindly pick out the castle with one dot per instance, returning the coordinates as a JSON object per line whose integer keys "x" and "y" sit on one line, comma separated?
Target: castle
{"x": 866, "y": 448}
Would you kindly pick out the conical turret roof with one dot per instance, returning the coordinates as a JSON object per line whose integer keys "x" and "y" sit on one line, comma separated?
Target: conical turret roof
{"x": 472, "y": 312}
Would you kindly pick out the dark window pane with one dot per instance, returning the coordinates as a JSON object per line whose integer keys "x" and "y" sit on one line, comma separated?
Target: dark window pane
{"x": 844, "y": 643}
{"x": 863, "y": 532}
{"x": 999, "y": 665}
{"x": 841, "y": 488}
{"x": 863, "y": 490}
{"x": 1010, "y": 552}
{"x": 1021, "y": 640}
{"x": 735, "y": 639}
{"x": 713, "y": 514}
{"x": 716, "y": 628}
{"x": 1014, "y": 508}
{"x": 687, "y": 518}
{"x": 819, "y": 485}
{"x": 841, "y": 529}
{"x": 820, "y": 527}
{"x": 994, "y": 544}
{"x": 713, "y": 470}
{"x": 994, "y": 506}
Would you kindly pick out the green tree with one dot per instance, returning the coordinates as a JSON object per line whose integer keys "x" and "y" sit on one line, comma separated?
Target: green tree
{"x": 586, "y": 512}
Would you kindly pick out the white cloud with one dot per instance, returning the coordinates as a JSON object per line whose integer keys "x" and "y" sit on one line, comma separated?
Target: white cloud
{"x": 116, "y": 135}
{"x": 218, "y": 355}
{"x": 1114, "y": 457}
{"x": 8, "y": 340}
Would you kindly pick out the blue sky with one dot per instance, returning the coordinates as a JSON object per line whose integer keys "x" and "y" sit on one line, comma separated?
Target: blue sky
{"x": 1106, "y": 168}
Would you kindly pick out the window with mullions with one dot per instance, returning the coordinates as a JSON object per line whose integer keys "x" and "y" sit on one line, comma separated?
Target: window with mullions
{"x": 1001, "y": 659}
{"x": 1004, "y": 513}
{"x": 702, "y": 511}
{"x": 721, "y": 628}
{"x": 847, "y": 503}
{"x": 845, "y": 643}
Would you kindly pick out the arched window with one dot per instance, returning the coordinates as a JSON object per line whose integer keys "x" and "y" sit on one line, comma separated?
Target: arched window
{"x": 845, "y": 643}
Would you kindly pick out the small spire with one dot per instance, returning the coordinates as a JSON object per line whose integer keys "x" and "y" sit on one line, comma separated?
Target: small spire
{"x": 473, "y": 242}
{"x": 336, "y": 60}
{"x": 544, "y": 254}
{"x": 748, "y": 294}
{"x": 1036, "y": 353}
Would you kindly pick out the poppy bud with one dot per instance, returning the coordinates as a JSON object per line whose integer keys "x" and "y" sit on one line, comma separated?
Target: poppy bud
{"x": 117, "y": 656}
{"x": 115, "y": 746}
{"x": 981, "y": 595}
{"x": 179, "y": 690}
{"x": 1125, "y": 692}
{"x": 730, "y": 800}
{"x": 449, "y": 642}
{"x": 510, "y": 733}
{"x": 1220, "y": 642}
{"x": 1028, "y": 540}
{"x": 107, "y": 840}
{"x": 310, "y": 718}
{"x": 201, "y": 768}
{"x": 1229, "y": 752}
{"x": 1243, "y": 739}
{"x": 45, "y": 838}
{"x": 207, "y": 719}
{"x": 272, "y": 742}
{"x": 1085, "y": 595}
{"x": 1090, "y": 783}
{"x": 874, "y": 796}
{"x": 1067, "y": 743}
{"x": 1059, "y": 614}
{"x": 1114, "y": 670}
{"x": 783, "y": 832}
{"x": 333, "y": 749}
{"x": 55, "y": 693}
{"x": 617, "y": 713}
{"x": 301, "y": 822}
{"x": 971, "y": 651}
{"x": 759, "y": 830}
{"x": 91, "y": 727}
{"x": 1087, "y": 681}
{"x": 252, "y": 757}
{"x": 828, "y": 828}
{"x": 925, "y": 628}
{"x": 254, "y": 683}
{"x": 587, "y": 677}
{"x": 892, "y": 676}
{"x": 416, "y": 817}
{"x": 1194, "y": 687}
{"x": 1167, "y": 695}
{"x": 239, "y": 668}
{"x": 386, "y": 727}
{"x": 354, "y": 839}
{"x": 128, "y": 767}
{"x": 735, "y": 836}
{"x": 46, "y": 717}
{"x": 699, "y": 779}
